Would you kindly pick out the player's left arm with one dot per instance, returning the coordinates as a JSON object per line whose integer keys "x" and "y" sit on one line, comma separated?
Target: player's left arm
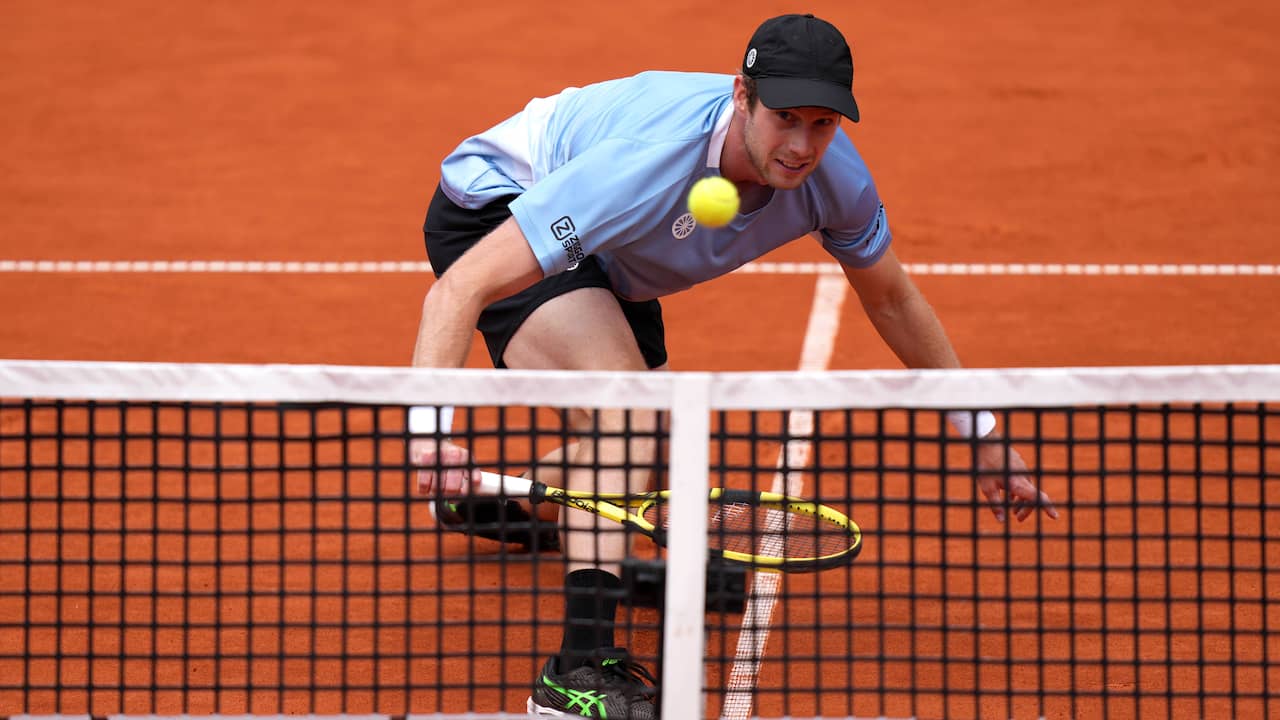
{"x": 901, "y": 314}
{"x": 908, "y": 325}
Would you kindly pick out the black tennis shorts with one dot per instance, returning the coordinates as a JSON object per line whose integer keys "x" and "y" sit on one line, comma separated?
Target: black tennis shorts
{"x": 450, "y": 230}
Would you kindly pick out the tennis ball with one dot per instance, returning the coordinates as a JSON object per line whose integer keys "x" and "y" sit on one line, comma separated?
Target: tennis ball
{"x": 713, "y": 201}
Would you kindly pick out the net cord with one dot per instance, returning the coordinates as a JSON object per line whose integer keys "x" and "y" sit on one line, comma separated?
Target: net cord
{"x": 837, "y": 389}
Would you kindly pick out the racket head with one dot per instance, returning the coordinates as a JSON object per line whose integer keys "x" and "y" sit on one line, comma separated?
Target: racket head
{"x": 769, "y": 531}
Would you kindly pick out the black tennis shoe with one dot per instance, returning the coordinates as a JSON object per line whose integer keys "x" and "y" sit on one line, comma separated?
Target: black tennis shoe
{"x": 611, "y": 686}
{"x": 503, "y": 520}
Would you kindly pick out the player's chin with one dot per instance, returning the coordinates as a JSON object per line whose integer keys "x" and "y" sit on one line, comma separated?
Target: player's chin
{"x": 783, "y": 177}
{"x": 788, "y": 185}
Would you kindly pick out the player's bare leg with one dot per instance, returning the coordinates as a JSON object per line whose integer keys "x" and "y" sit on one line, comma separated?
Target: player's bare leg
{"x": 586, "y": 330}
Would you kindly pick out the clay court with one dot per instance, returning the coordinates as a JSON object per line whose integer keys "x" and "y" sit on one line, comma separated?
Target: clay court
{"x": 1087, "y": 184}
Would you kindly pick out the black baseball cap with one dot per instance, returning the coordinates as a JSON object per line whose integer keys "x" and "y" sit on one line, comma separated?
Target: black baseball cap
{"x": 801, "y": 60}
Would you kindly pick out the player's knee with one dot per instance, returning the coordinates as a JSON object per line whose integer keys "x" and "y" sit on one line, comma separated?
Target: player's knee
{"x": 613, "y": 421}
{"x": 616, "y": 433}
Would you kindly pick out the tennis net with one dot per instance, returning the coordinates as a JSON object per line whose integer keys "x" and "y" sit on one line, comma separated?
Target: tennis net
{"x": 247, "y": 540}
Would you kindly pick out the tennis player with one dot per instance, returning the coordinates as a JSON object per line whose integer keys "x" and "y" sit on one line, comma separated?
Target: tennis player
{"x": 556, "y": 231}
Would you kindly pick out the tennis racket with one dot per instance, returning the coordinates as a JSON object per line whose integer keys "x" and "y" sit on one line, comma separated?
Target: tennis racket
{"x": 765, "y": 530}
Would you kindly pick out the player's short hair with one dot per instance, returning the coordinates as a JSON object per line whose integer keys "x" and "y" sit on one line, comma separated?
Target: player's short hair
{"x": 753, "y": 95}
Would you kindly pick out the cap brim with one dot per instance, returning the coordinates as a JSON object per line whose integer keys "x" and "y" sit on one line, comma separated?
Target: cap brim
{"x": 779, "y": 93}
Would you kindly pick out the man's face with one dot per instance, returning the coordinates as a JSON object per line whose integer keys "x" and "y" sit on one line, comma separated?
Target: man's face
{"x": 785, "y": 145}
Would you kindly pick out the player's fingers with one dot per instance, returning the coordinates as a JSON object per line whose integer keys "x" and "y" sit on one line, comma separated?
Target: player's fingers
{"x": 455, "y": 481}
{"x": 426, "y": 481}
{"x": 424, "y": 455}
{"x": 1028, "y": 499}
{"x": 1046, "y": 504}
{"x": 448, "y": 481}
{"x": 995, "y": 500}
{"x": 1022, "y": 496}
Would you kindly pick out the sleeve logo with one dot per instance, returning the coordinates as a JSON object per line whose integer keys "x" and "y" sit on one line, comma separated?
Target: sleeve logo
{"x": 565, "y": 232}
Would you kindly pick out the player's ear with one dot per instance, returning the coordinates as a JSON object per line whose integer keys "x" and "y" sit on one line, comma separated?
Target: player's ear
{"x": 741, "y": 96}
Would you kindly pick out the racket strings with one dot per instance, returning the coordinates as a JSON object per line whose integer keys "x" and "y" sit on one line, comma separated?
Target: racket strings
{"x": 767, "y": 531}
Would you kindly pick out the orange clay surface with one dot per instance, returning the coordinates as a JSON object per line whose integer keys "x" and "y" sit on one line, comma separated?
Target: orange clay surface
{"x": 1088, "y": 132}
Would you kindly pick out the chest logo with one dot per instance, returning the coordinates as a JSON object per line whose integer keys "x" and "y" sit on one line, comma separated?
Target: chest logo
{"x": 683, "y": 226}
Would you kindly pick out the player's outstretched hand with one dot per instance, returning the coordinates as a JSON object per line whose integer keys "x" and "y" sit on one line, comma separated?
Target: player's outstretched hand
{"x": 1003, "y": 479}
{"x": 453, "y": 478}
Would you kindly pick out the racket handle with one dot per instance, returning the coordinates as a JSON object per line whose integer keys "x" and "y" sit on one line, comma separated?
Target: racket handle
{"x": 509, "y": 485}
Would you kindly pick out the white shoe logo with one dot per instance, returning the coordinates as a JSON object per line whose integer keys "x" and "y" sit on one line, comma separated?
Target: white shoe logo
{"x": 683, "y": 226}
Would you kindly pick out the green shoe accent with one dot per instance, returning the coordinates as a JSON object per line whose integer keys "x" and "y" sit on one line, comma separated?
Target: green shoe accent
{"x": 588, "y": 703}
{"x": 612, "y": 687}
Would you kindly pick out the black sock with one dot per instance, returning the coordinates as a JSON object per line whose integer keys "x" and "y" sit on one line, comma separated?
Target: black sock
{"x": 590, "y": 606}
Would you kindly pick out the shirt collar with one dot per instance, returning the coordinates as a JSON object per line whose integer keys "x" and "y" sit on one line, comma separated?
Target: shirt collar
{"x": 718, "y": 135}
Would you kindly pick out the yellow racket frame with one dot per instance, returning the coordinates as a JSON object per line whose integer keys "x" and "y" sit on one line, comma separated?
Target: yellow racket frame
{"x": 630, "y": 509}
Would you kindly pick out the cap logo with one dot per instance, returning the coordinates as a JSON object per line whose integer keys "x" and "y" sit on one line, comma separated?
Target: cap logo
{"x": 751, "y": 57}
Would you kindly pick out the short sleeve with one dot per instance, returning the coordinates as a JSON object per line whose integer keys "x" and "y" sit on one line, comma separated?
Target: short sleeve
{"x": 601, "y": 199}
{"x": 864, "y": 236}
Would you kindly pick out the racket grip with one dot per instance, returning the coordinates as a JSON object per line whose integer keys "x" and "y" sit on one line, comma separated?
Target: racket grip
{"x": 509, "y": 485}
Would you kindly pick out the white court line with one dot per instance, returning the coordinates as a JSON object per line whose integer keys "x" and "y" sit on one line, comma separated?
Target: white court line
{"x": 350, "y": 267}
{"x": 1049, "y": 269}
{"x": 217, "y": 716}
{"x": 339, "y": 716}
{"x": 815, "y": 354}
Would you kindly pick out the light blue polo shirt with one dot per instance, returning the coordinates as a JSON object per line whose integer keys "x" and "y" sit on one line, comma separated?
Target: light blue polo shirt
{"x": 605, "y": 170}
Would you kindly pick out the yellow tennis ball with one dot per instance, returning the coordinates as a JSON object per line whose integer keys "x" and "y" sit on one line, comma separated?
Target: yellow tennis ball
{"x": 713, "y": 201}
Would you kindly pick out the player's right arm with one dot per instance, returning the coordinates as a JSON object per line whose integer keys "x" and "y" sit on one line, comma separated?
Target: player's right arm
{"x": 500, "y": 265}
